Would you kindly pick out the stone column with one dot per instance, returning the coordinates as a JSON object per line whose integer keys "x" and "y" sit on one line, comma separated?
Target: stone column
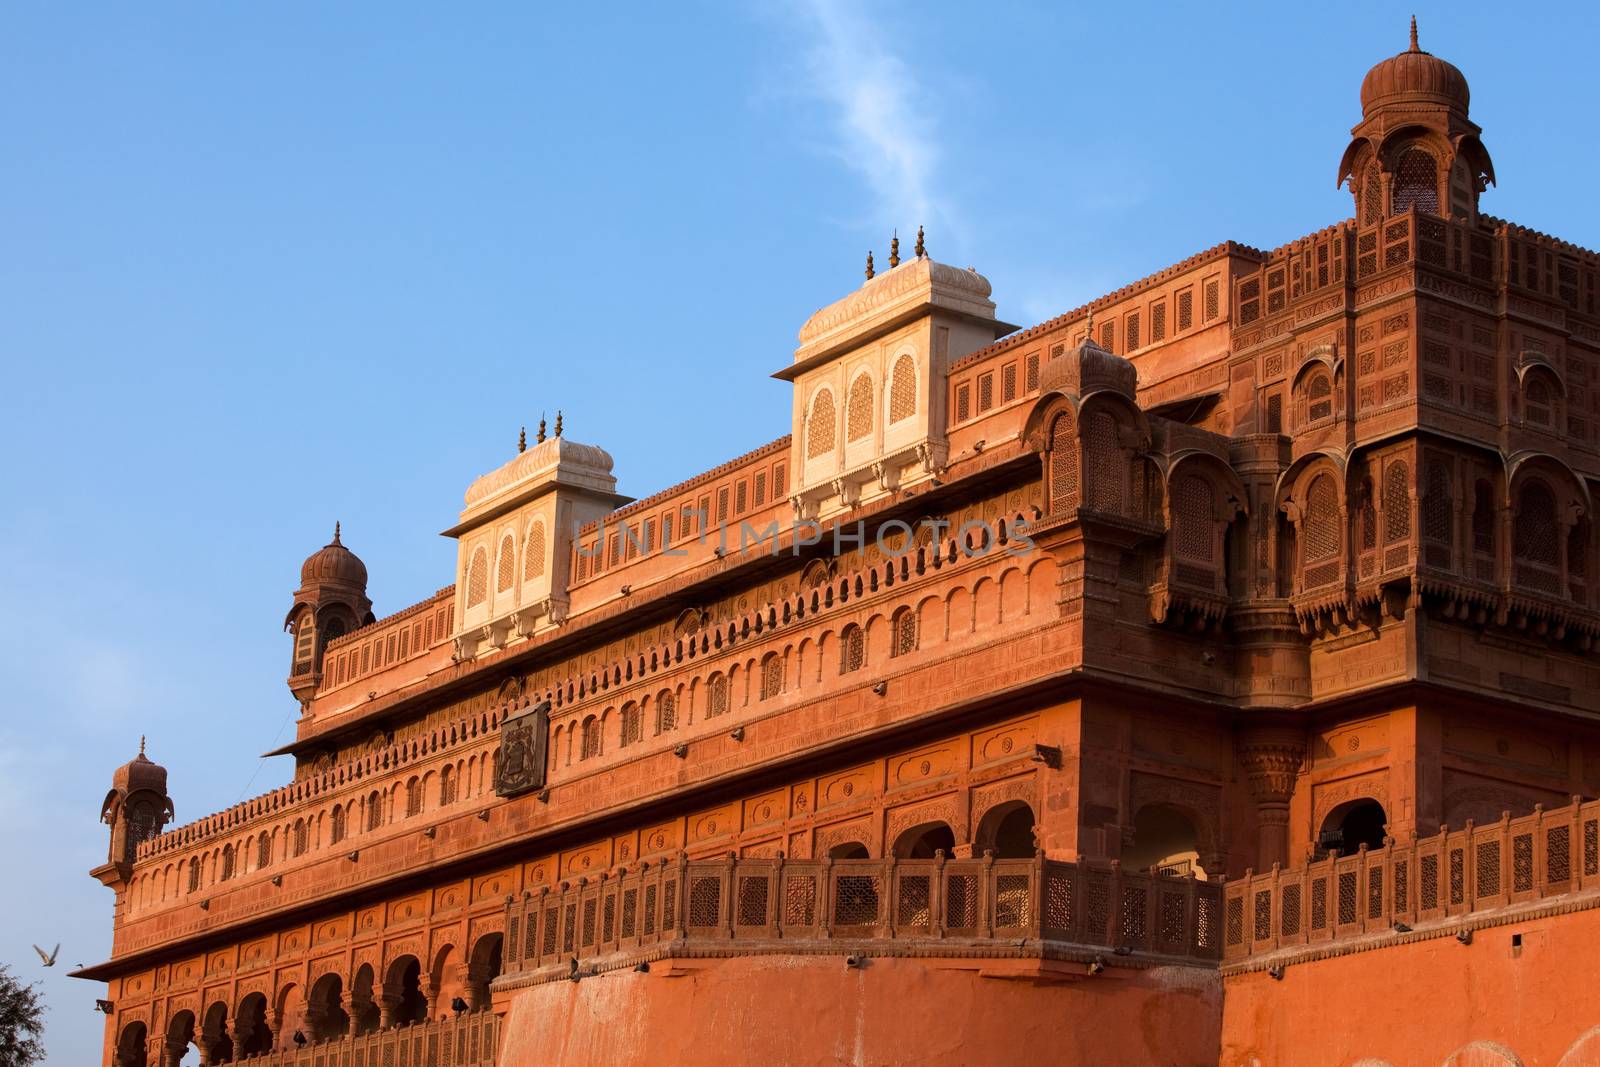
{"x": 172, "y": 1053}
{"x": 1271, "y": 756}
{"x": 388, "y": 1008}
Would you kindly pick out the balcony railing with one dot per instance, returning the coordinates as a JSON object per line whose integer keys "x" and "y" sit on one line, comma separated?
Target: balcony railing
{"x": 758, "y": 904}
{"x": 463, "y": 1041}
{"x": 1454, "y": 873}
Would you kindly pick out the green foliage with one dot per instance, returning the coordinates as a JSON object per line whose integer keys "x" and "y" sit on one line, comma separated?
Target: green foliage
{"x": 21, "y": 1022}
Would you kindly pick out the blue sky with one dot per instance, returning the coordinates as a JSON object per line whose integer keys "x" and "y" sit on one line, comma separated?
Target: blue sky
{"x": 264, "y": 267}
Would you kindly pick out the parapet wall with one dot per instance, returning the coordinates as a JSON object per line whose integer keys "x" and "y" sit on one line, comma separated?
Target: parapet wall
{"x": 810, "y": 1011}
{"x": 1518, "y": 994}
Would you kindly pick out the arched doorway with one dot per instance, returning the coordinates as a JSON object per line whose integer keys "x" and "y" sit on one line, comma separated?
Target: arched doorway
{"x": 922, "y": 842}
{"x": 132, "y": 1046}
{"x": 180, "y": 1038}
{"x": 326, "y": 1017}
{"x": 849, "y": 850}
{"x": 217, "y": 1041}
{"x": 1165, "y": 842}
{"x": 251, "y": 1025}
{"x": 363, "y": 1006}
{"x": 1007, "y": 831}
{"x": 1351, "y": 825}
{"x": 405, "y": 982}
{"x": 482, "y": 969}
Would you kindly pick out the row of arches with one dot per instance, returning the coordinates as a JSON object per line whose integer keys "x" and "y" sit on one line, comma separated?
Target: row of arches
{"x": 338, "y": 824}
{"x": 335, "y": 1007}
{"x": 816, "y": 659}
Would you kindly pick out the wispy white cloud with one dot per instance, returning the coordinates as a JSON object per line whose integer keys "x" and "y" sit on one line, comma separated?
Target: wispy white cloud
{"x": 884, "y": 129}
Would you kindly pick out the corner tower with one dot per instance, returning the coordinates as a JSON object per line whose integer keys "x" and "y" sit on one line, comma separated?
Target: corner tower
{"x": 331, "y": 601}
{"x": 1415, "y": 147}
{"x": 136, "y": 809}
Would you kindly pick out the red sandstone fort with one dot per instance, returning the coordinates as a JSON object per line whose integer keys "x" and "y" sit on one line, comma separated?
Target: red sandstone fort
{"x": 1206, "y": 676}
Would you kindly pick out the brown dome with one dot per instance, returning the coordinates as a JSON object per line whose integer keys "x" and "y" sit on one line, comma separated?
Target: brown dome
{"x": 333, "y": 563}
{"x": 1414, "y": 76}
{"x": 140, "y": 773}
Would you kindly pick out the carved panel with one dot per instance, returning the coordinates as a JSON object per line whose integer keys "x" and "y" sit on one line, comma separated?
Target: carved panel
{"x": 938, "y": 761}
{"x": 1482, "y": 800}
{"x": 769, "y": 807}
{"x": 186, "y": 973}
{"x": 450, "y": 897}
{"x": 256, "y": 953}
{"x": 1353, "y": 739}
{"x": 523, "y": 738}
{"x": 1510, "y": 747}
{"x": 714, "y": 824}
{"x": 400, "y": 947}
{"x": 368, "y": 921}
{"x": 409, "y": 909}
{"x": 329, "y": 931}
{"x": 494, "y": 886}
{"x": 850, "y": 787}
{"x": 663, "y": 837}
{"x": 803, "y": 798}
{"x": 541, "y": 872}
{"x": 1003, "y": 742}
{"x": 767, "y": 849}
{"x": 591, "y": 860}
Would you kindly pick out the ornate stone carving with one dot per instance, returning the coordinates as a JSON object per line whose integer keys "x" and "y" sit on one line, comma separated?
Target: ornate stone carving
{"x": 520, "y": 767}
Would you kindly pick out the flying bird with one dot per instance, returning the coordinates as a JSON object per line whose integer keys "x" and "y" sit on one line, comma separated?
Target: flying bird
{"x": 49, "y": 960}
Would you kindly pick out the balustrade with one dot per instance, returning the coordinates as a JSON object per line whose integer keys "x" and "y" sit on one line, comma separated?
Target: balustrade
{"x": 1454, "y": 873}
{"x": 469, "y": 1040}
{"x": 761, "y": 902}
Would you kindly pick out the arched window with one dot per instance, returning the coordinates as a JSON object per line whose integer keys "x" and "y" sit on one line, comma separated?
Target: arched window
{"x": 413, "y": 797}
{"x": 533, "y": 552}
{"x": 1538, "y": 406}
{"x": 904, "y": 626}
{"x": 194, "y": 874}
{"x": 820, "y": 425}
{"x": 858, "y": 412}
{"x": 263, "y": 851}
{"x": 1416, "y": 183}
{"x": 374, "y": 810}
{"x": 300, "y": 837}
{"x": 478, "y": 578}
{"x": 591, "y": 738}
{"x": 852, "y": 649}
{"x": 1320, "y": 540}
{"x": 1396, "y": 502}
{"x": 1063, "y": 463}
{"x": 1372, "y": 197}
{"x": 336, "y": 827}
{"x": 447, "y": 786}
{"x": 1534, "y": 538}
{"x": 632, "y": 729}
{"x": 506, "y": 572}
{"x": 1193, "y": 508}
{"x": 1436, "y": 505}
{"x": 716, "y": 695}
{"x": 227, "y": 863}
{"x": 305, "y": 638}
{"x": 903, "y": 390}
{"x": 666, "y": 713}
{"x": 1319, "y": 396}
{"x": 771, "y": 675}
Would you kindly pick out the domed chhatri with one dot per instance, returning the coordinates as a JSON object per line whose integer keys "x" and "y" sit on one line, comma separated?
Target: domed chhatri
{"x": 140, "y": 773}
{"x": 334, "y": 562}
{"x": 1414, "y": 76}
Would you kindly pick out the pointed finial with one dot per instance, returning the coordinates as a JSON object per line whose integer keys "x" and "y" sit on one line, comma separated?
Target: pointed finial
{"x": 922, "y": 248}
{"x": 335, "y": 531}
{"x": 522, "y": 440}
{"x": 1414, "y": 47}
{"x": 541, "y": 428}
{"x": 1088, "y": 328}
{"x": 894, "y": 250}
{"x": 870, "y": 271}
{"x": 141, "y": 744}
{"x": 558, "y": 423}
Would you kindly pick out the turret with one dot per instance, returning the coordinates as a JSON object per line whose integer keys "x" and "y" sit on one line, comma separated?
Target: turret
{"x": 136, "y": 809}
{"x": 331, "y": 601}
{"x": 1415, "y": 147}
